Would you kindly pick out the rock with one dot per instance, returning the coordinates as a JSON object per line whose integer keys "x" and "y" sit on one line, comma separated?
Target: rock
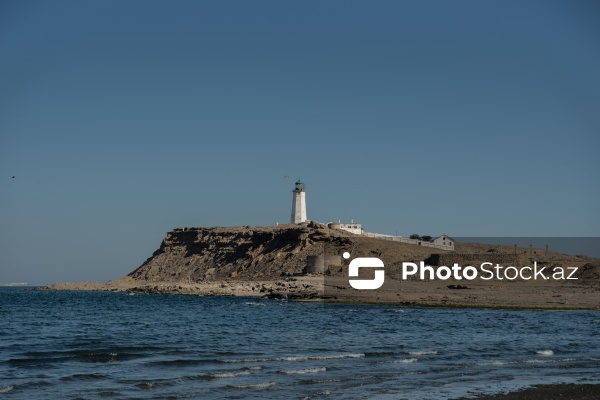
{"x": 455, "y": 287}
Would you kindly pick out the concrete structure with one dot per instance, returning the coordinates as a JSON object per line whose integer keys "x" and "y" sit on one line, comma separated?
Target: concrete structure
{"x": 319, "y": 264}
{"x": 418, "y": 242}
{"x": 444, "y": 240}
{"x": 299, "y": 204}
{"x": 351, "y": 227}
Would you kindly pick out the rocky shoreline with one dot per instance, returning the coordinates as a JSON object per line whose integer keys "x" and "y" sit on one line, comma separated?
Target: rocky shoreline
{"x": 313, "y": 288}
{"x": 272, "y": 262}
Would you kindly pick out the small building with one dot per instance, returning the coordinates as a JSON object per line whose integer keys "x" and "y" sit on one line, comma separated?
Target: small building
{"x": 351, "y": 227}
{"x": 444, "y": 240}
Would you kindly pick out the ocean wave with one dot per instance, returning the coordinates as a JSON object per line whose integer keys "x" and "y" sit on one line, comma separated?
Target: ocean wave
{"x": 304, "y": 371}
{"x": 100, "y": 357}
{"x": 405, "y": 361}
{"x": 380, "y": 354}
{"x": 82, "y": 356}
{"x": 253, "y": 303}
{"x": 232, "y": 374}
{"x": 183, "y": 362}
{"x": 6, "y": 389}
{"x": 296, "y": 358}
{"x": 544, "y": 352}
{"x": 399, "y": 361}
{"x": 537, "y": 361}
{"x": 337, "y": 380}
{"x": 146, "y": 385}
{"x": 108, "y": 393}
{"x": 84, "y": 377}
{"x": 491, "y": 363}
{"x": 255, "y": 386}
{"x": 422, "y": 353}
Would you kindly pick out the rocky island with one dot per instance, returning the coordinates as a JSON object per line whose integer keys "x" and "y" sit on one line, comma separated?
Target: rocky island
{"x": 304, "y": 262}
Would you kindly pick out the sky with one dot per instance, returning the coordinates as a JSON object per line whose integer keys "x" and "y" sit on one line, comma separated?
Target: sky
{"x": 121, "y": 120}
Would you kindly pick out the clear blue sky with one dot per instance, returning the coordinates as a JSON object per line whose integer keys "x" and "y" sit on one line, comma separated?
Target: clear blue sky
{"x": 121, "y": 120}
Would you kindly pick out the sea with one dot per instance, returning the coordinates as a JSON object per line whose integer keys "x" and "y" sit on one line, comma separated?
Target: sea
{"x": 103, "y": 345}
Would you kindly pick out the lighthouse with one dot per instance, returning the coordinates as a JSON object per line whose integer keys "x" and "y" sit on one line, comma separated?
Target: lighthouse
{"x": 298, "y": 204}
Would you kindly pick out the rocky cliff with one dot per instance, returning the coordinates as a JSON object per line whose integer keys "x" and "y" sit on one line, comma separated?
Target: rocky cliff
{"x": 258, "y": 253}
{"x": 258, "y": 261}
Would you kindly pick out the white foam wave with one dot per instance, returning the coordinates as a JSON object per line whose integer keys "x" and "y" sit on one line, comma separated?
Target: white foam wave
{"x": 331, "y": 357}
{"x": 6, "y": 389}
{"x": 405, "y": 361}
{"x": 224, "y": 375}
{"x": 538, "y": 361}
{"x": 422, "y": 353}
{"x": 544, "y": 352}
{"x": 250, "y": 303}
{"x": 496, "y": 363}
{"x": 297, "y": 358}
{"x": 304, "y": 371}
{"x": 255, "y": 386}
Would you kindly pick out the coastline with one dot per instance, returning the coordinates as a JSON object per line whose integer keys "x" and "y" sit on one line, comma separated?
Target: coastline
{"x": 289, "y": 262}
{"x": 516, "y": 296}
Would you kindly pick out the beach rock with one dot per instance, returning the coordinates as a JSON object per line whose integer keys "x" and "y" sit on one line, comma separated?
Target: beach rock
{"x": 457, "y": 287}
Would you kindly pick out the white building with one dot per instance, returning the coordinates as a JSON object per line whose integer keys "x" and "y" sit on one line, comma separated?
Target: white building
{"x": 298, "y": 204}
{"x": 444, "y": 240}
{"x": 351, "y": 227}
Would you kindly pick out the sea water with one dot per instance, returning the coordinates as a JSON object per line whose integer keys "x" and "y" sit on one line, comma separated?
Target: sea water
{"x": 98, "y": 345}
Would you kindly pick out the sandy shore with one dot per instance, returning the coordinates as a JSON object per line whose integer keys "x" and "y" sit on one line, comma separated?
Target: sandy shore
{"x": 526, "y": 295}
{"x": 514, "y": 295}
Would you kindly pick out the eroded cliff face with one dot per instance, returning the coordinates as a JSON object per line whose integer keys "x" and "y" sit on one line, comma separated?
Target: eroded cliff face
{"x": 217, "y": 253}
{"x": 257, "y": 261}
{"x": 192, "y": 255}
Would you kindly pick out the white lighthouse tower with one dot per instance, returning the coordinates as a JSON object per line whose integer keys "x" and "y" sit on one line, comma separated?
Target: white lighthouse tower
{"x": 299, "y": 204}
